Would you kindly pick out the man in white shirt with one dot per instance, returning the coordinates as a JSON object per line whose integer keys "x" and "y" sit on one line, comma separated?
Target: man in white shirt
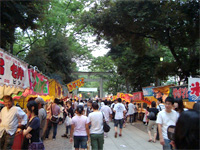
{"x": 166, "y": 118}
{"x": 10, "y": 116}
{"x": 119, "y": 110}
{"x": 95, "y": 119}
{"x": 131, "y": 111}
{"x": 107, "y": 113}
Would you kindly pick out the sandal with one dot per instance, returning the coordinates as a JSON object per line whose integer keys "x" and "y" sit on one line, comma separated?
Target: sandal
{"x": 154, "y": 141}
{"x": 149, "y": 140}
{"x": 115, "y": 134}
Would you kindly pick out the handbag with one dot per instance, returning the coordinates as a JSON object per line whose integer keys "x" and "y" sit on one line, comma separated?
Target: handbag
{"x": 106, "y": 127}
{"x": 36, "y": 146}
{"x": 53, "y": 118}
{"x": 151, "y": 115}
{"x": 68, "y": 121}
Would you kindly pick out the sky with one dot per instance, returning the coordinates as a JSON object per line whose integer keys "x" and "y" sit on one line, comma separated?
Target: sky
{"x": 96, "y": 49}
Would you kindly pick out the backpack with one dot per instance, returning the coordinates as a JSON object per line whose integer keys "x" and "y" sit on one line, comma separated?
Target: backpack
{"x": 151, "y": 115}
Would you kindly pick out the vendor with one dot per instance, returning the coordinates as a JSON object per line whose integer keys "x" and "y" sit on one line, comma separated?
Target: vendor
{"x": 9, "y": 117}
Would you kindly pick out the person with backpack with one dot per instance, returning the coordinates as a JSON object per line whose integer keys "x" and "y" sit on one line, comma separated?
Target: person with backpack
{"x": 152, "y": 116}
{"x": 160, "y": 105}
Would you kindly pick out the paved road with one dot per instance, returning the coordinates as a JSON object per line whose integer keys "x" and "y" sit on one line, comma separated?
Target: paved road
{"x": 133, "y": 138}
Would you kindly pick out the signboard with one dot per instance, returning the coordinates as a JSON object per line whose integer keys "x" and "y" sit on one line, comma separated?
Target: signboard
{"x": 123, "y": 96}
{"x": 179, "y": 92}
{"x": 194, "y": 89}
{"x": 13, "y": 72}
{"x": 147, "y": 91}
{"x": 39, "y": 84}
{"x": 137, "y": 96}
{"x": 75, "y": 84}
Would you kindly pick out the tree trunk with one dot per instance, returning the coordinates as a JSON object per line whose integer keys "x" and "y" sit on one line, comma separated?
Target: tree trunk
{"x": 11, "y": 48}
{"x": 127, "y": 86}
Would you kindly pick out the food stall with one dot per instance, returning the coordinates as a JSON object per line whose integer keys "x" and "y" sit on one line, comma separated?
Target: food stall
{"x": 13, "y": 79}
{"x": 141, "y": 102}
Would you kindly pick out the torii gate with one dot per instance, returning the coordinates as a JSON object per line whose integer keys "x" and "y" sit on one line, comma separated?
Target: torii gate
{"x": 90, "y": 80}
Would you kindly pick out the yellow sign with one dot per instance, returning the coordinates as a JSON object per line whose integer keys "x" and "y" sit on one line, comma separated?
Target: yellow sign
{"x": 75, "y": 84}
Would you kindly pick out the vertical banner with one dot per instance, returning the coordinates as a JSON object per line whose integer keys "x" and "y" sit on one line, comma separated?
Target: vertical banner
{"x": 194, "y": 89}
{"x": 39, "y": 84}
{"x": 13, "y": 72}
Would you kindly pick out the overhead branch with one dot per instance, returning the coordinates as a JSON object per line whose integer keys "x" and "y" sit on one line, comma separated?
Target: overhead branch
{"x": 26, "y": 47}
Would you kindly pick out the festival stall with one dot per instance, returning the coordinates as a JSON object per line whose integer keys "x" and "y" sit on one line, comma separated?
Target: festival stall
{"x": 13, "y": 79}
{"x": 13, "y": 74}
{"x": 141, "y": 103}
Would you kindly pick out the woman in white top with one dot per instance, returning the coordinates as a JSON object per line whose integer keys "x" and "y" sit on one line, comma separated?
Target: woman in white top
{"x": 95, "y": 119}
{"x": 79, "y": 129}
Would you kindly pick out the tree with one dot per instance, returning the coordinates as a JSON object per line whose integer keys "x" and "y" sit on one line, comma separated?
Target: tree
{"x": 22, "y": 14}
{"x": 52, "y": 44}
{"x": 174, "y": 24}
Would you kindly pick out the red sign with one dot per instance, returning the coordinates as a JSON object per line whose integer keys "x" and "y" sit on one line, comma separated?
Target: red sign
{"x": 138, "y": 96}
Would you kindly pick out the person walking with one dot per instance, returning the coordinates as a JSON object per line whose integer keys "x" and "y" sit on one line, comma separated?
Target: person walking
{"x": 166, "y": 118}
{"x": 130, "y": 112}
{"x": 107, "y": 114}
{"x": 10, "y": 116}
{"x": 79, "y": 129}
{"x": 135, "y": 112}
{"x": 32, "y": 131}
{"x": 119, "y": 110}
{"x": 55, "y": 110}
{"x": 95, "y": 119}
{"x": 70, "y": 113}
{"x": 42, "y": 114}
{"x": 152, "y": 122}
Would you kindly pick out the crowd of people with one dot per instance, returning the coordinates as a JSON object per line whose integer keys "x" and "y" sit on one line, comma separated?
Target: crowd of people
{"x": 84, "y": 122}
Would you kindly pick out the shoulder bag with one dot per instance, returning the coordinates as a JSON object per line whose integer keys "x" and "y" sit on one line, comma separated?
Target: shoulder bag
{"x": 106, "y": 127}
{"x": 53, "y": 118}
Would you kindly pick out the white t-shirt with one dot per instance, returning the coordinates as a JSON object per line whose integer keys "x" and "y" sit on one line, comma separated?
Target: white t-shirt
{"x": 161, "y": 107}
{"x": 119, "y": 108}
{"x": 107, "y": 112}
{"x": 96, "y": 119}
{"x": 10, "y": 119}
{"x": 166, "y": 119}
{"x": 130, "y": 109}
{"x": 79, "y": 125}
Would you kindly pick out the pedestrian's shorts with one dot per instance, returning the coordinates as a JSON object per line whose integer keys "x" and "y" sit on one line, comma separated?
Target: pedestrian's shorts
{"x": 80, "y": 141}
{"x": 119, "y": 122}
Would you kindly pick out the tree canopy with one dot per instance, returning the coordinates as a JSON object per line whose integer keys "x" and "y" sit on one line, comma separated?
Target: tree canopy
{"x": 174, "y": 24}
